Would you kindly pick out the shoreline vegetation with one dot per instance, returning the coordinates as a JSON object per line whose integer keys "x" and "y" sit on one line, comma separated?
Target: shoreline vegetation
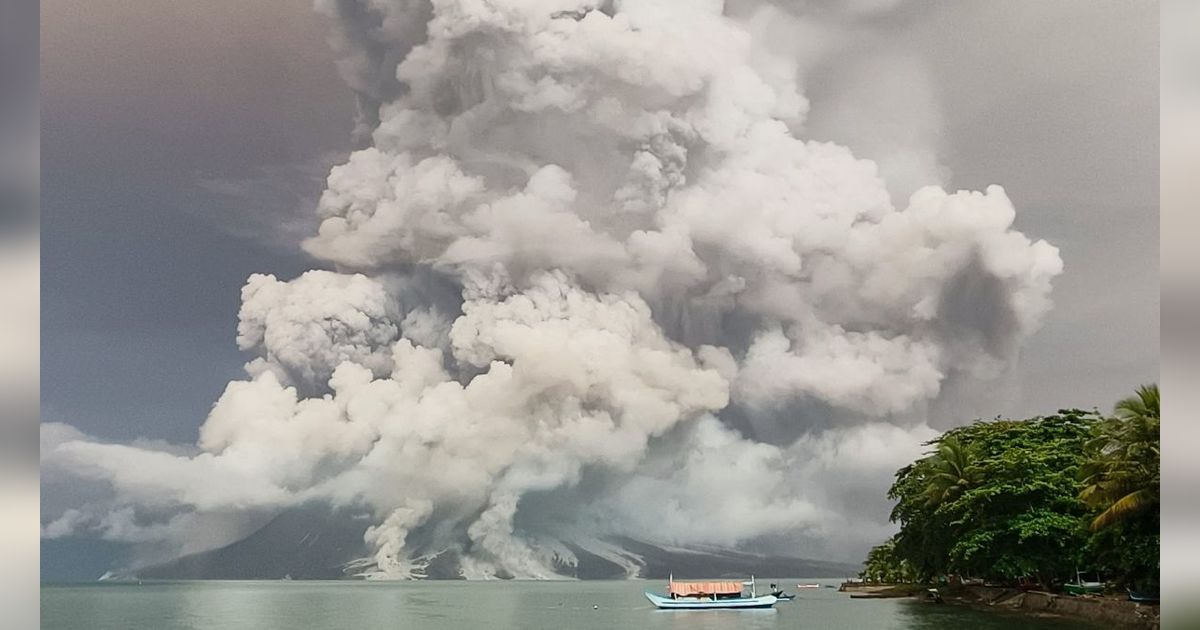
{"x": 1019, "y": 514}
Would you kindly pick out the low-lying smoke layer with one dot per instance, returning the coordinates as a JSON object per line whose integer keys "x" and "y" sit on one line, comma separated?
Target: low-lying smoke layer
{"x": 590, "y": 281}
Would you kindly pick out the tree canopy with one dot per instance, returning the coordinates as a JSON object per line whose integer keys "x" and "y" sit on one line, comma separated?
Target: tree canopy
{"x": 1121, "y": 474}
{"x": 1035, "y": 498}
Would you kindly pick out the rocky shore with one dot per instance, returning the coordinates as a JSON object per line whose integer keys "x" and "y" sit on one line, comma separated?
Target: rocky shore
{"x": 860, "y": 590}
{"x": 1109, "y": 612}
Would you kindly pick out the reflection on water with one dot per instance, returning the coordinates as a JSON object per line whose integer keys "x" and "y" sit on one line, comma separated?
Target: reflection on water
{"x": 922, "y": 616}
{"x": 456, "y": 605}
{"x": 708, "y": 619}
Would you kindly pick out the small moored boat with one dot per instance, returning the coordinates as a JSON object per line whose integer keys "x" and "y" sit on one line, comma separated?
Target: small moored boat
{"x": 703, "y": 595}
{"x": 1083, "y": 587}
{"x": 780, "y": 595}
{"x": 1142, "y": 598}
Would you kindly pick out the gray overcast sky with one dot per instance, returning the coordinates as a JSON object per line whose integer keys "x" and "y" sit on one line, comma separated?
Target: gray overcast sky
{"x": 176, "y": 134}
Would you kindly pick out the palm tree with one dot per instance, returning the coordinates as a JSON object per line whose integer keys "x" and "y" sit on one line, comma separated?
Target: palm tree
{"x": 1143, "y": 405}
{"x": 883, "y": 565}
{"x": 1121, "y": 476}
{"x": 951, "y": 472}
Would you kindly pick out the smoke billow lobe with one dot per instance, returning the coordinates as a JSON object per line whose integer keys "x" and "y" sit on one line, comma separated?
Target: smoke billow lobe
{"x": 670, "y": 316}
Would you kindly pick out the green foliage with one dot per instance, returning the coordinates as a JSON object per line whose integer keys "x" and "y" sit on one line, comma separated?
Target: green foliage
{"x": 1038, "y": 498}
{"x": 1121, "y": 480}
{"x": 1121, "y": 472}
{"x": 1024, "y": 517}
{"x": 1015, "y": 512}
{"x": 1127, "y": 552}
{"x": 883, "y": 565}
{"x": 951, "y": 471}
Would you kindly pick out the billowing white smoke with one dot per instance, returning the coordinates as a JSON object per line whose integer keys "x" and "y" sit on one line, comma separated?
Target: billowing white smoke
{"x": 668, "y": 315}
{"x": 305, "y": 328}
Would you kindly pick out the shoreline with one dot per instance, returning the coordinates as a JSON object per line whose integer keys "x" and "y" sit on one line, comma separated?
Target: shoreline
{"x": 1105, "y": 612}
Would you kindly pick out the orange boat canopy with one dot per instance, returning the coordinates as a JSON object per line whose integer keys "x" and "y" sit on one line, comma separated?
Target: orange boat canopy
{"x": 684, "y": 589}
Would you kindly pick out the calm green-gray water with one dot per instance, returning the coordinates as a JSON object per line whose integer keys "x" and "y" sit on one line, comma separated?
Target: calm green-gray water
{"x": 459, "y": 605}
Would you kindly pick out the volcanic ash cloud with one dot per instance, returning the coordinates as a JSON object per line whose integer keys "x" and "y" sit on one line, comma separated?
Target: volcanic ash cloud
{"x": 591, "y": 281}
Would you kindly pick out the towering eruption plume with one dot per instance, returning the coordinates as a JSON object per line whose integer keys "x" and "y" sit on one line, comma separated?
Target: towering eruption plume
{"x": 589, "y": 280}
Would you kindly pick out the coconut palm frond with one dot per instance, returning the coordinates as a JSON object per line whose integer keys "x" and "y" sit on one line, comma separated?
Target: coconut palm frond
{"x": 1123, "y": 508}
{"x": 1121, "y": 476}
{"x": 951, "y": 472}
{"x": 1145, "y": 404}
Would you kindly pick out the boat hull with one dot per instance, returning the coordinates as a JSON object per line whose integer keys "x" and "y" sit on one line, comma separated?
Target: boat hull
{"x": 1086, "y": 588}
{"x": 688, "y": 603}
{"x": 1142, "y": 598}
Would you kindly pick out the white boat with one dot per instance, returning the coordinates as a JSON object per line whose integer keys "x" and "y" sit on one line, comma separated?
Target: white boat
{"x": 710, "y": 594}
{"x": 808, "y": 586}
{"x": 1083, "y": 587}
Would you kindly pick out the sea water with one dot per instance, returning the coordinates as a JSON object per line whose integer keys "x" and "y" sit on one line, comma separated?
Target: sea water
{"x": 529, "y": 605}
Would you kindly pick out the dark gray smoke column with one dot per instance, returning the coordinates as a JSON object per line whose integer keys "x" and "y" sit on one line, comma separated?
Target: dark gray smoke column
{"x": 669, "y": 317}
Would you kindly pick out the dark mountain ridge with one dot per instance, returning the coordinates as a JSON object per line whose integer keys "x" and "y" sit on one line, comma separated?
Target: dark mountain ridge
{"x": 316, "y": 543}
